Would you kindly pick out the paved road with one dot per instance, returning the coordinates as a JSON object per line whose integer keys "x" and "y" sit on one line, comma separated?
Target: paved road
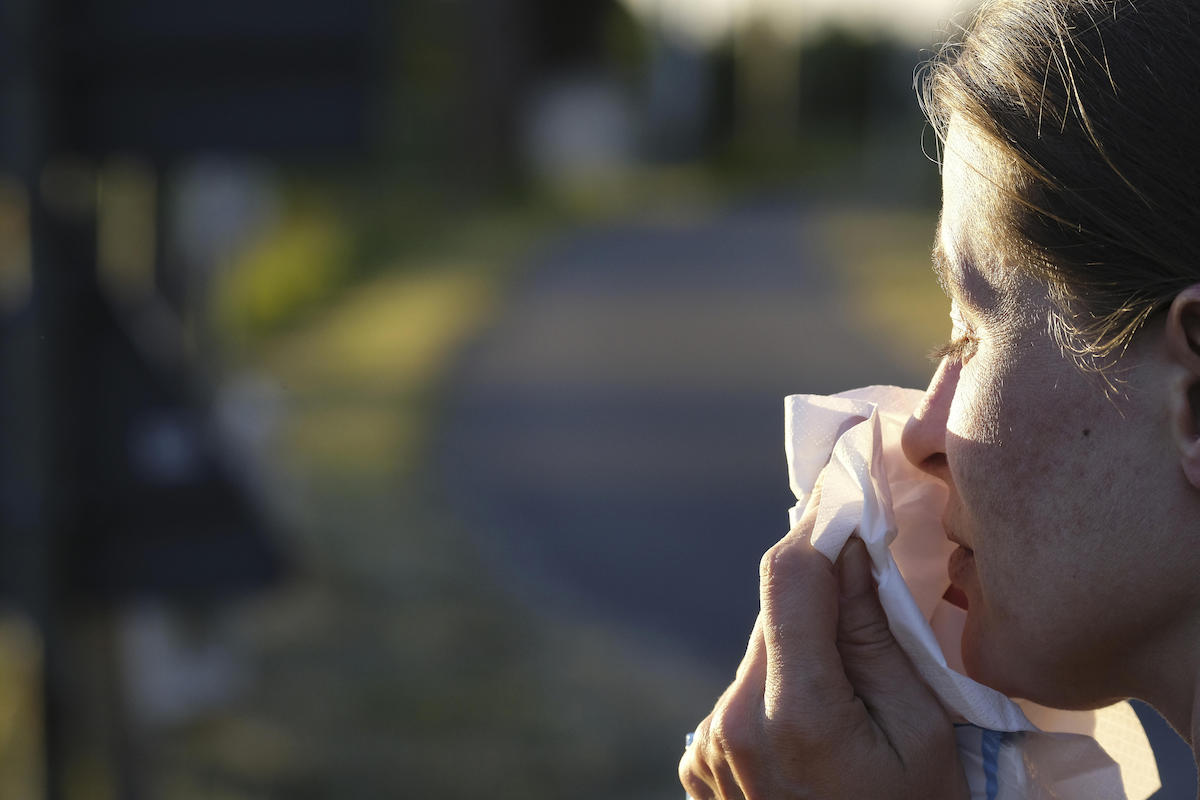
{"x": 617, "y": 439}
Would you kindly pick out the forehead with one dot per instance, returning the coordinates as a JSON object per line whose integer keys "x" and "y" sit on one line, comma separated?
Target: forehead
{"x": 969, "y": 197}
{"x": 970, "y": 254}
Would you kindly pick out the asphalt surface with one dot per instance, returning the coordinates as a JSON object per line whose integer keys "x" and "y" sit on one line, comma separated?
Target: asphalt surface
{"x": 617, "y": 439}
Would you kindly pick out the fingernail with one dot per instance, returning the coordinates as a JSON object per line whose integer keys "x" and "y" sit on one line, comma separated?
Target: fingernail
{"x": 854, "y": 575}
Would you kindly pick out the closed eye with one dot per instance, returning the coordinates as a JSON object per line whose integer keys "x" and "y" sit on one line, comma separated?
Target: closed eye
{"x": 958, "y": 350}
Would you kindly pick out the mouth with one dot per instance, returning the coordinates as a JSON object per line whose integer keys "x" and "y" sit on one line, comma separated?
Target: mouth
{"x": 953, "y": 537}
{"x": 961, "y": 563}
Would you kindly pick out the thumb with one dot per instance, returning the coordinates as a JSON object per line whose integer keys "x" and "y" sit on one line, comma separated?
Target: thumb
{"x": 879, "y": 670}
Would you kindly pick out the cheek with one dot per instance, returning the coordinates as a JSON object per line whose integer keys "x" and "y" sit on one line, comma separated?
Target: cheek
{"x": 1015, "y": 439}
{"x": 1032, "y": 496}
{"x": 987, "y": 461}
{"x": 1017, "y": 463}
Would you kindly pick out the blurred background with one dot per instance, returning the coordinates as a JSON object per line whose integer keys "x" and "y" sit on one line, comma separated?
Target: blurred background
{"x": 391, "y": 393}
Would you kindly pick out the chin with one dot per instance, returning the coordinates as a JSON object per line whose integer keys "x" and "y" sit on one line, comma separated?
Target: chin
{"x": 996, "y": 664}
{"x": 1001, "y": 666}
{"x": 976, "y": 663}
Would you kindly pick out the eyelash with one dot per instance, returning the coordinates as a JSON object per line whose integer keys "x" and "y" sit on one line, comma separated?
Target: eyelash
{"x": 959, "y": 350}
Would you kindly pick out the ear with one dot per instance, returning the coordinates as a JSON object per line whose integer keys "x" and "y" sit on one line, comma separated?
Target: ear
{"x": 1183, "y": 345}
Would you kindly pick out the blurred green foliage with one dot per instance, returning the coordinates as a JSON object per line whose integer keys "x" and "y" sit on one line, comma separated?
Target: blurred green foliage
{"x": 291, "y": 267}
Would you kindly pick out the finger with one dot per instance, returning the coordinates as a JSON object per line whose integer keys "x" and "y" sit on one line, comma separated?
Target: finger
{"x": 725, "y": 734}
{"x": 706, "y": 770}
{"x": 695, "y": 772}
{"x": 881, "y": 673}
{"x": 798, "y": 594}
{"x": 728, "y": 733}
{"x": 733, "y": 734}
{"x": 745, "y": 756}
{"x": 728, "y": 787}
{"x": 695, "y": 775}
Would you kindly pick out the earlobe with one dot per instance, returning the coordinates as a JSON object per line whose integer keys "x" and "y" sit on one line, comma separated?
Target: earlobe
{"x": 1183, "y": 345}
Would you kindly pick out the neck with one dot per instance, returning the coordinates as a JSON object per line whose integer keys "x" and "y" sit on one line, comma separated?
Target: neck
{"x": 1188, "y": 723}
{"x": 1174, "y": 689}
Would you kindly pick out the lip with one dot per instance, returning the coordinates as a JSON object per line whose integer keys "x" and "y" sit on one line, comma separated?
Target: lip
{"x": 949, "y": 532}
{"x": 960, "y": 563}
{"x": 950, "y": 535}
{"x": 960, "y": 569}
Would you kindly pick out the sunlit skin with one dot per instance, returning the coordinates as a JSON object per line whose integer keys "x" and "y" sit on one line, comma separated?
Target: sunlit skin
{"x": 1079, "y": 559}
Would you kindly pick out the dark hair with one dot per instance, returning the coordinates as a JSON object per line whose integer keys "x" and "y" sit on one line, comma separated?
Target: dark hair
{"x": 1095, "y": 104}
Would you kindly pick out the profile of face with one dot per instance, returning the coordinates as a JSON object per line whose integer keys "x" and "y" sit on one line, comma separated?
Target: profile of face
{"x": 1060, "y": 494}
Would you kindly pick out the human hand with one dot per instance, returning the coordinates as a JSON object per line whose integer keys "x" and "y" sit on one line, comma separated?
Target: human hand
{"x": 825, "y": 704}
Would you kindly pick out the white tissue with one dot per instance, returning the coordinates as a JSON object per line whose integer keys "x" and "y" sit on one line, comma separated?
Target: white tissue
{"x": 870, "y": 488}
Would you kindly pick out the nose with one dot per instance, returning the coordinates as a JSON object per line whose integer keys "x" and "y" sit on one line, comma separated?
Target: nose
{"x": 924, "y": 437}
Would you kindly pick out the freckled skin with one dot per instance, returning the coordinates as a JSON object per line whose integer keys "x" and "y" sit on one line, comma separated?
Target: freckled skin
{"x": 1049, "y": 534}
{"x": 1074, "y": 585}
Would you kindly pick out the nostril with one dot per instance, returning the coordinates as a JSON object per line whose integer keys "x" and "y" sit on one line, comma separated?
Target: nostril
{"x": 935, "y": 464}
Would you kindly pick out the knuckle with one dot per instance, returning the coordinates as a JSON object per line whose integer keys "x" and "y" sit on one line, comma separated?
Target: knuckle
{"x": 688, "y": 775}
{"x": 731, "y": 736}
{"x": 696, "y": 788}
{"x": 782, "y": 562}
{"x": 685, "y": 766}
{"x": 695, "y": 766}
{"x": 766, "y": 566}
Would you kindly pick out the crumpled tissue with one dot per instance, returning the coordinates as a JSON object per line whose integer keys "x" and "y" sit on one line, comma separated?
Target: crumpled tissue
{"x": 1009, "y": 749}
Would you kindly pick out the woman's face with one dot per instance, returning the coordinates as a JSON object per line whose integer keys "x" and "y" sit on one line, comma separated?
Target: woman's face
{"x": 1056, "y": 489}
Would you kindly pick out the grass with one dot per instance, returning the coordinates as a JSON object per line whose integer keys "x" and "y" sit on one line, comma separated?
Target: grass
{"x": 359, "y": 378}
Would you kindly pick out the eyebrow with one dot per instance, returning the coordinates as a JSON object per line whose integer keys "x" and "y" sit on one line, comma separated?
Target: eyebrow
{"x": 960, "y": 280}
